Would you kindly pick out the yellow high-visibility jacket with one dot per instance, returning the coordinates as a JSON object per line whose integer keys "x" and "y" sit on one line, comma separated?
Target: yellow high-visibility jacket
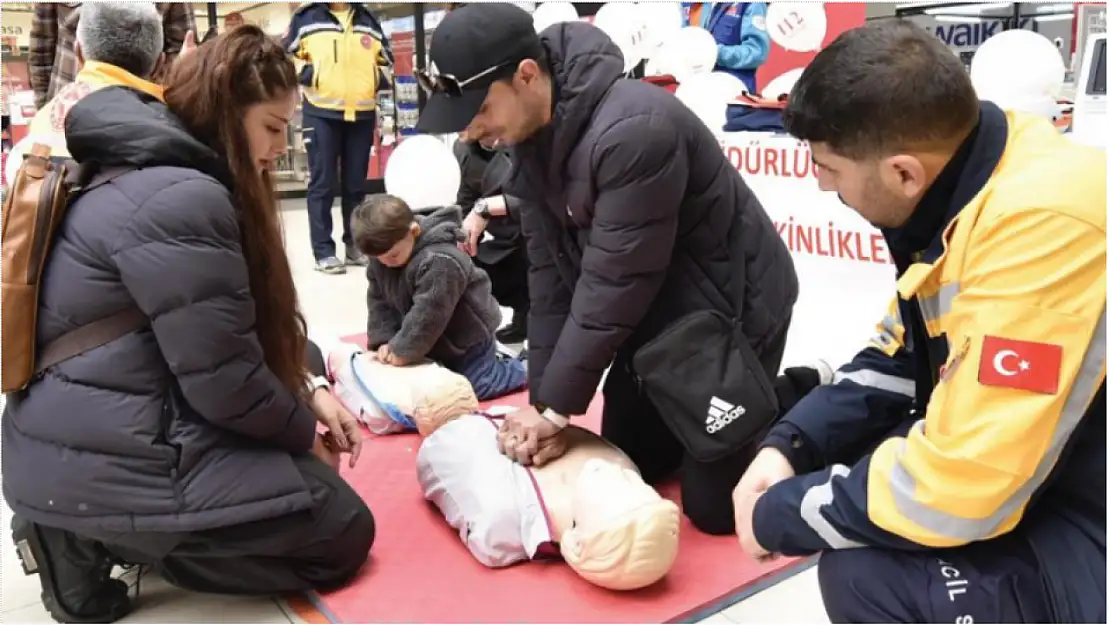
{"x": 986, "y": 384}
{"x": 343, "y": 55}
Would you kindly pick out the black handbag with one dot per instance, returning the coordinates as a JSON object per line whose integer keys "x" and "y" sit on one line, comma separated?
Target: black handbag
{"x": 707, "y": 384}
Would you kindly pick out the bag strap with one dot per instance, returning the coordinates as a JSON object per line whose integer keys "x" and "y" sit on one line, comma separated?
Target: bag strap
{"x": 90, "y": 336}
{"x": 102, "y": 331}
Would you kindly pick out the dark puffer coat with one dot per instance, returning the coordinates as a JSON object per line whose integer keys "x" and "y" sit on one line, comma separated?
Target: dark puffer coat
{"x": 641, "y": 220}
{"x": 178, "y": 427}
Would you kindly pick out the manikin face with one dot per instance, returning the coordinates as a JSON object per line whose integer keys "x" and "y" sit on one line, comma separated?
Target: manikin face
{"x": 513, "y": 109}
{"x": 884, "y": 191}
{"x": 605, "y": 491}
{"x": 266, "y": 124}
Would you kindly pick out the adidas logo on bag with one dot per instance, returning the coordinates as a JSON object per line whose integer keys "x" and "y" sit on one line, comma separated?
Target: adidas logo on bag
{"x": 721, "y": 413}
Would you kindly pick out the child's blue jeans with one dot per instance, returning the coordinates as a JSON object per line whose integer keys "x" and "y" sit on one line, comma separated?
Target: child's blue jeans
{"x": 491, "y": 375}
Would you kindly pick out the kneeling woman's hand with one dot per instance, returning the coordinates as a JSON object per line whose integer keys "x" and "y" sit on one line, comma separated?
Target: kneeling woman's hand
{"x": 343, "y": 428}
{"x": 325, "y": 448}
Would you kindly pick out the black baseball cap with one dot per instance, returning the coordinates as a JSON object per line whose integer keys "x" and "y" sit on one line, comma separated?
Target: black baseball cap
{"x": 474, "y": 46}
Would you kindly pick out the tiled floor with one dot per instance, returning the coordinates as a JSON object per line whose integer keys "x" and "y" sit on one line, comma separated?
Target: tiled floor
{"x": 335, "y": 306}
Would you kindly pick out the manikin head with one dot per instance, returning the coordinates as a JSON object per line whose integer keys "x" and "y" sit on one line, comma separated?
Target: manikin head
{"x": 127, "y": 35}
{"x": 625, "y": 536}
{"x": 492, "y": 83}
{"x": 884, "y": 107}
{"x": 427, "y": 393}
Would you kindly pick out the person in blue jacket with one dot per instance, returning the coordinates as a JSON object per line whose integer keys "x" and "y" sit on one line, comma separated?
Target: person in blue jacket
{"x": 740, "y": 29}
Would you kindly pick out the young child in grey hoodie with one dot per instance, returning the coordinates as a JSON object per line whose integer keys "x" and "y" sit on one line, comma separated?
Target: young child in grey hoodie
{"x": 425, "y": 297}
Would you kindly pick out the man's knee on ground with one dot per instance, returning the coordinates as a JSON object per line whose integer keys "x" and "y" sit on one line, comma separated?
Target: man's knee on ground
{"x": 709, "y": 515}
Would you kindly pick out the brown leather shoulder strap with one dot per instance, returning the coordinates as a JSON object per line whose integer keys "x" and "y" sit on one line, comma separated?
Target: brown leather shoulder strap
{"x": 91, "y": 336}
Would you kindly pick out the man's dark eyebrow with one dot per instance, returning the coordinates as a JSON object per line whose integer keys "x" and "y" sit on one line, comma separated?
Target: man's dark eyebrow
{"x": 819, "y": 164}
{"x": 280, "y": 118}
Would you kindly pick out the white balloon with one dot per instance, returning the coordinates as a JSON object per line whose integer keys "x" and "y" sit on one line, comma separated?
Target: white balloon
{"x": 625, "y": 26}
{"x": 1019, "y": 70}
{"x": 783, "y": 84}
{"x": 662, "y": 22}
{"x": 797, "y": 26}
{"x": 551, "y": 13}
{"x": 692, "y": 52}
{"x": 423, "y": 172}
{"x": 708, "y": 95}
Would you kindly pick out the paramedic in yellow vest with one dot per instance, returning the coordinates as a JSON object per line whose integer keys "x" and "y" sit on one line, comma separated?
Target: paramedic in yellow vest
{"x": 343, "y": 48}
{"x": 955, "y": 472}
{"x": 119, "y": 43}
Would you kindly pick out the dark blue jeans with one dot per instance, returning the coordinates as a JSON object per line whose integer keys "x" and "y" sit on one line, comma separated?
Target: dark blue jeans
{"x": 491, "y": 375}
{"x": 335, "y": 146}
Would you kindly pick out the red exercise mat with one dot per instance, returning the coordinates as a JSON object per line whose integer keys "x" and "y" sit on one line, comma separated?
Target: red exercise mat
{"x": 420, "y": 571}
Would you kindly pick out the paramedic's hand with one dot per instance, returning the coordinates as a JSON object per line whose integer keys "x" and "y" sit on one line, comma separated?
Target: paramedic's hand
{"x": 744, "y": 508}
{"x": 342, "y": 427}
{"x": 474, "y": 226}
{"x": 526, "y": 437}
{"x": 767, "y": 469}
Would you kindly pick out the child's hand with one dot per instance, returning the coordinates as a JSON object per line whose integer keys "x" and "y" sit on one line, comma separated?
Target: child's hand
{"x": 384, "y": 353}
{"x": 387, "y": 356}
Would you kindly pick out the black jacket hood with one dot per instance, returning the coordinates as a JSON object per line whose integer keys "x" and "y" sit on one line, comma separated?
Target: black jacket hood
{"x": 584, "y": 64}
{"x": 119, "y": 126}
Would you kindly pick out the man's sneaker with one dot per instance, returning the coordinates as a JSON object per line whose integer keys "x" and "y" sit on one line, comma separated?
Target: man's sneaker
{"x": 75, "y": 574}
{"x": 355, "y": 258}
{"x": 330, "y": 265}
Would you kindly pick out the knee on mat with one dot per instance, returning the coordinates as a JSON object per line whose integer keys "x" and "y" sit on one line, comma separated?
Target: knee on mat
{"x": 711, "y": 516}
{"x": 351, "y": 550}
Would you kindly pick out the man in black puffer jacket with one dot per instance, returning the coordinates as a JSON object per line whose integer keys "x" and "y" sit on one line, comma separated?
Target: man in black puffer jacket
{"x": 638, "y": 220}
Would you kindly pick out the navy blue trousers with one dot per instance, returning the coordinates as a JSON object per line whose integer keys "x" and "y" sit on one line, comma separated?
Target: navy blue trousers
{"x": 338, "y": 154}
{"x": 490, "y": 374}
{"x": 995, "y": 581}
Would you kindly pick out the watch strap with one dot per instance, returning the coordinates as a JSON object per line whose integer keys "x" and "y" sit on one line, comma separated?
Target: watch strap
{"x": 559, "y": 420}
{"x": 317, "y": 382}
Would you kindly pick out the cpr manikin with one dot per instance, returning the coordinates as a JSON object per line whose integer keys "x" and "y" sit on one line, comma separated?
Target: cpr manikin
{"x": 392, "y": 399}
{"x": 590, "y": 505}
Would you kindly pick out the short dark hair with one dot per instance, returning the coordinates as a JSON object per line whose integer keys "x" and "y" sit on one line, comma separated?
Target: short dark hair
{"x": 887, "y": 86}
{"x": 379, "y": 223}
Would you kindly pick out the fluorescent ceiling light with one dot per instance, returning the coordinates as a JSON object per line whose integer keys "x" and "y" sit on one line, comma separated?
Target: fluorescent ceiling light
{"x": 958, "y": 19}
{"x": 970, "y": 9}
{"x": 1053, "y": 18}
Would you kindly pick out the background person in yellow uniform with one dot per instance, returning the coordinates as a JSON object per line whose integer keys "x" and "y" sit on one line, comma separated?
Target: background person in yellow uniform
{"x": 343, "y": 48}
{"x": 955, "y": 472}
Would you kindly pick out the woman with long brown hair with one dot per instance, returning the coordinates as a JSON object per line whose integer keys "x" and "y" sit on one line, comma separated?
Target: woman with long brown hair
{"x": 189, "y": 445}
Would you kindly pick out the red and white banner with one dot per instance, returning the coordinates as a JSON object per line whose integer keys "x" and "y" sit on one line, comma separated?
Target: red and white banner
{"x": 844, "y": 267}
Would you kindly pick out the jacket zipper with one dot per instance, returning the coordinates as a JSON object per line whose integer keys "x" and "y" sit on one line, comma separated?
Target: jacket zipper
{"x": 335, "y": 50}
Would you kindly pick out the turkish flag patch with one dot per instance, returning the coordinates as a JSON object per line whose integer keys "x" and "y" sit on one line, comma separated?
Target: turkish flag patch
{"x": 1021, "y": 365}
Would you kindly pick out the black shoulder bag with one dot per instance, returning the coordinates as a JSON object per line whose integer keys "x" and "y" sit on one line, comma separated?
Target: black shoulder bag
{"x": 707, "y": 383}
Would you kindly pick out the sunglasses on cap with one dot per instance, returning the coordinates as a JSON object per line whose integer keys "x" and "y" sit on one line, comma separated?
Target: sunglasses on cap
{"x": 433, "y": 82}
